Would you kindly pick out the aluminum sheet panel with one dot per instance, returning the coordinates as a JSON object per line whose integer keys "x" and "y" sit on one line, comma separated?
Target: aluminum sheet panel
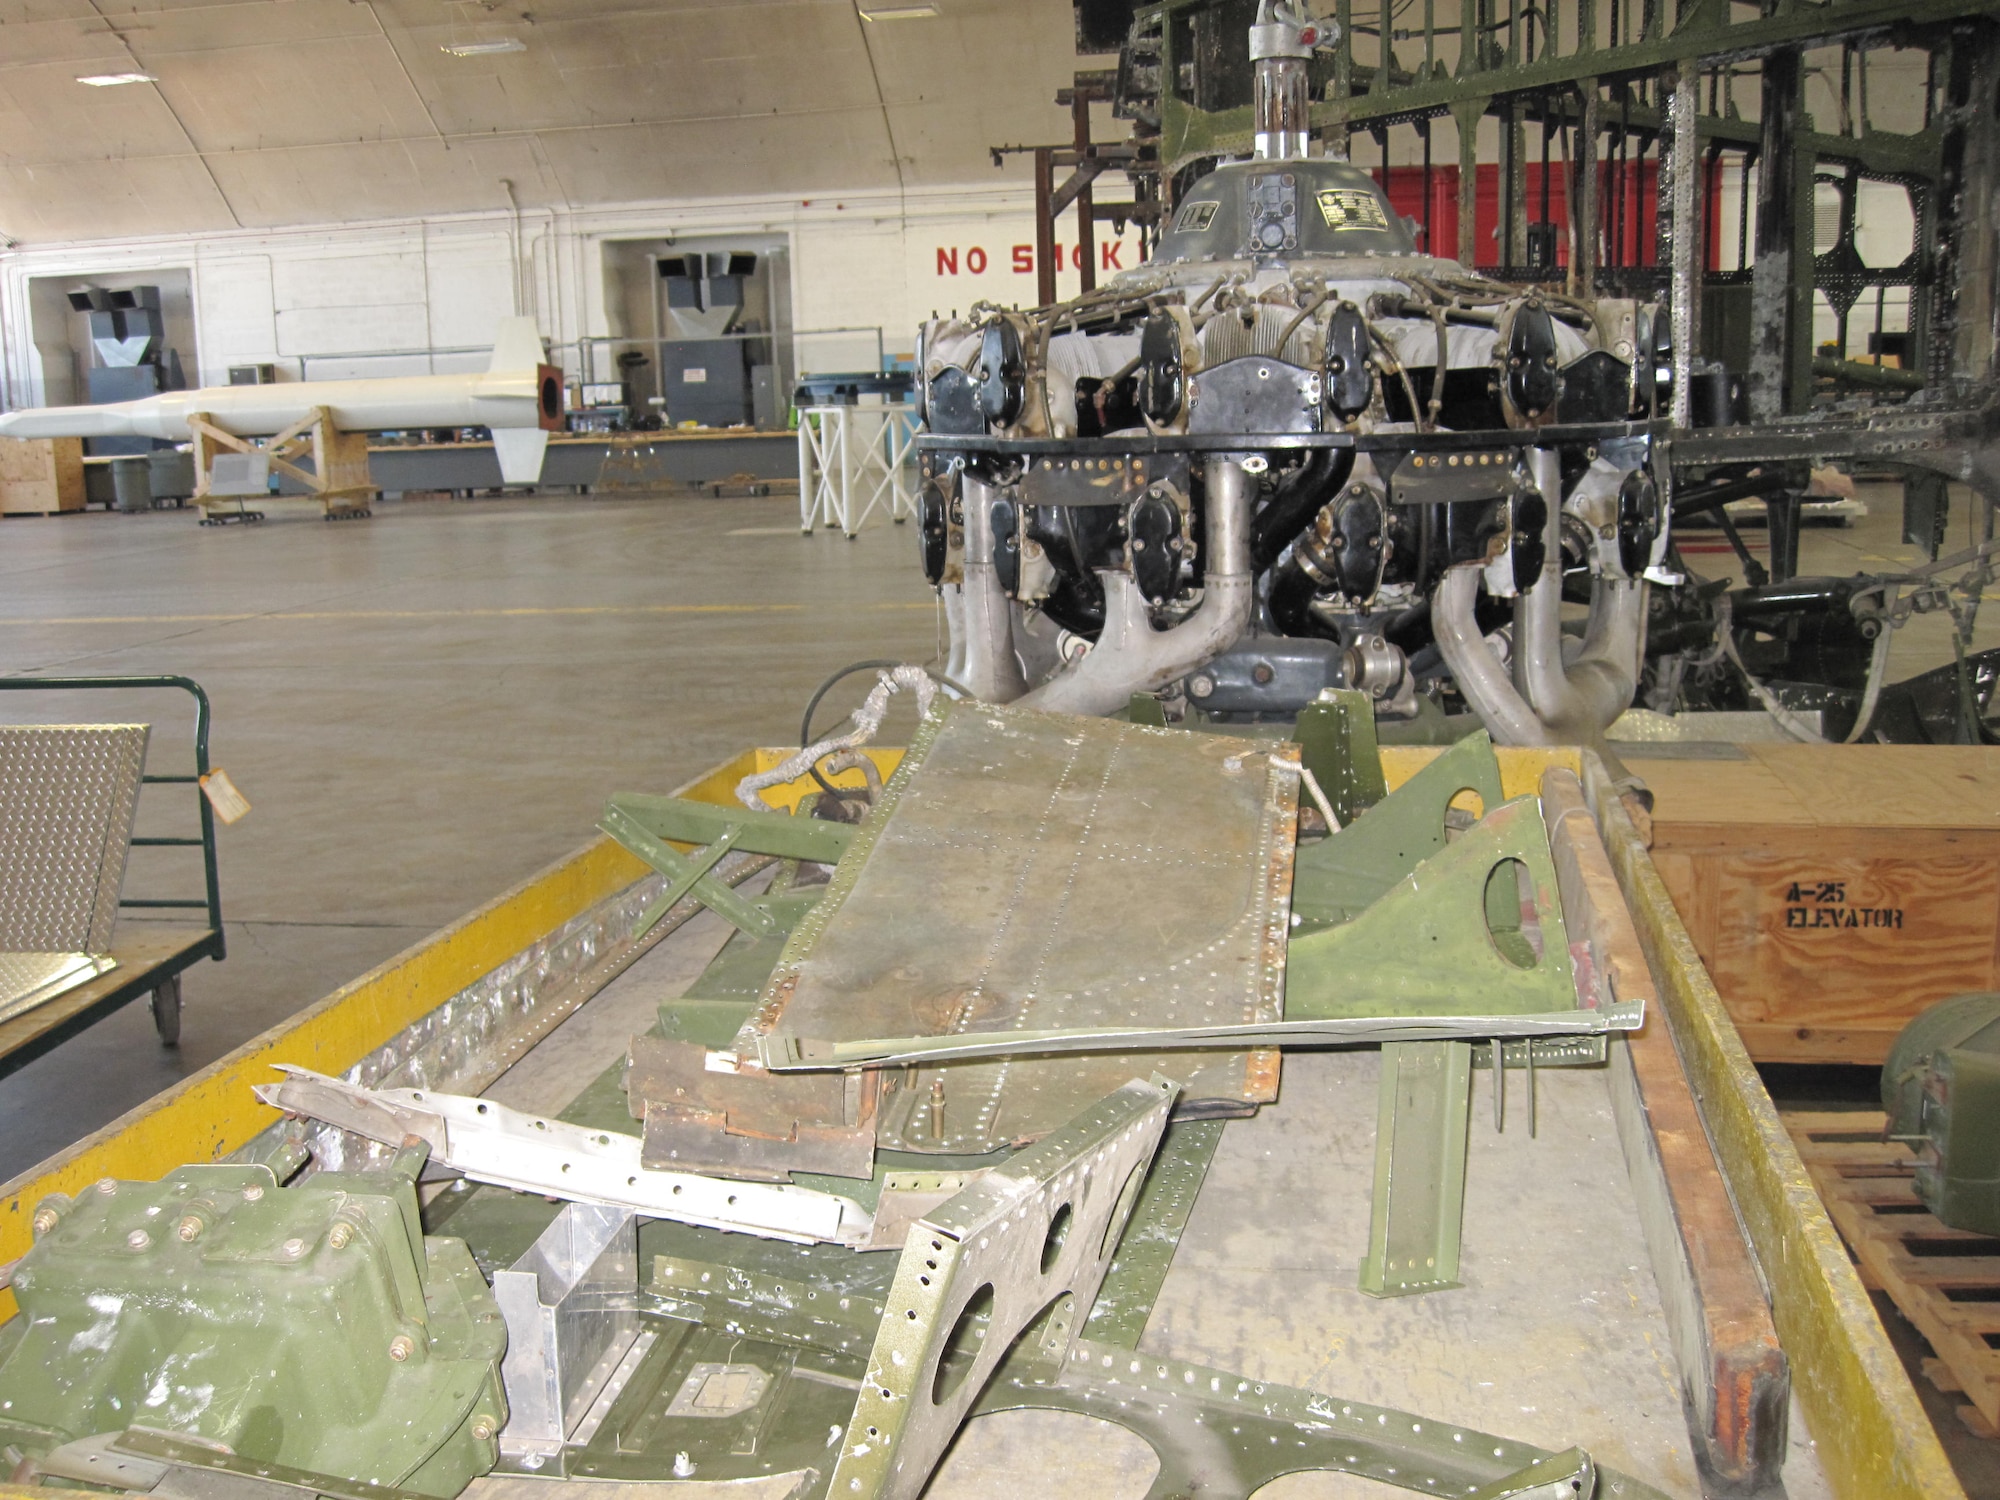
{"x": 1030, "y": 870}
{"x": 67, "y": 794}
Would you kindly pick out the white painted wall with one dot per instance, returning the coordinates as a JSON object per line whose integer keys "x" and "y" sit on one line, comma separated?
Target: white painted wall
{"x": 371, "y": 299}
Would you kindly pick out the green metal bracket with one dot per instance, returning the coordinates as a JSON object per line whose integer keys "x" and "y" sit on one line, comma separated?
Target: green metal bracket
{"x": 1420, "y": 1144}
{"x": 1571, "y": 1472}
{"x": 1335, "y": 879}
{"x": 780, "y": 834}
{"x": 688, "y": 874}
{"x": 1146, "y": 1248}
{"x": 1476, "y": 929}
{"x": 725, "y": 995}
{"x": 1336, "y": 739}
{"x": 695, "y": 867}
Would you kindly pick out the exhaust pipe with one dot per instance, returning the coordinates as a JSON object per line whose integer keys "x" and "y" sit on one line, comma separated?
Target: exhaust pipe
{"x": 1553, "y": 702}
{"x": 985, "y": 615}
{"x": 1130, "y": 655}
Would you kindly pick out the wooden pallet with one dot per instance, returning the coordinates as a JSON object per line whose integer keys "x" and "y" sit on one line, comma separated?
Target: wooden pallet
{"x": 1945, "y": 1281}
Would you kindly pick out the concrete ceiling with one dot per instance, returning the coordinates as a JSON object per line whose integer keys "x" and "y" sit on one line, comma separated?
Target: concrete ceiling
{"x": 275, "y": 112}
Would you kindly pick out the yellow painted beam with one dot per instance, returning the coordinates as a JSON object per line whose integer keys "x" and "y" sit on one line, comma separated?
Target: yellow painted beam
{"x": 719, "y": 785}
{"x": 212, "y": 1113}
{"x": 1521, "y": 766}
{"x": 1873, "y": 1438}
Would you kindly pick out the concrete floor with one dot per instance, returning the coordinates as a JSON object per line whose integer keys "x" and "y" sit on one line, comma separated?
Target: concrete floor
{"x": 422, "y": 709}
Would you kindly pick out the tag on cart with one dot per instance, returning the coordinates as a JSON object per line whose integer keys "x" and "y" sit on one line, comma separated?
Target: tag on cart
{"x": 230, "y": 805}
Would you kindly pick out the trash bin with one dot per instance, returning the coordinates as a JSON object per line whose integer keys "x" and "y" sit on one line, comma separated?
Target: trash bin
{"x": 170, "y": 474}
{"x": 131, "y": 482}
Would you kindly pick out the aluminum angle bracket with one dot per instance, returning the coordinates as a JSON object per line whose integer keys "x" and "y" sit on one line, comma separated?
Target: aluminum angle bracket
{"x": 790, "y": 1054}
{"x": 1015, "y": 1259}
{"x": 489, "y": 1142}
{"x": 571, "y": 1305}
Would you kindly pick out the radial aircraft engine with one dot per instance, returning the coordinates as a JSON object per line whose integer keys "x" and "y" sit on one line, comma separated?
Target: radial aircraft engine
{"x": 1292, "y": 452}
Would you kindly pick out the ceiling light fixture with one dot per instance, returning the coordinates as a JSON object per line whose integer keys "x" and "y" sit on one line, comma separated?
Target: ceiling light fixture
{"x": 485, "y": 49}
{"x": 897, "y": 12}
{"x": 112, "y": 80}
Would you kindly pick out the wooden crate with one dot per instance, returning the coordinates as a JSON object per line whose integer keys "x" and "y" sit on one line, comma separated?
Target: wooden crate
{"x": 1945, "y": 1281}
{"x": 1833, "y": 891}
{"x": 40, "y": 476}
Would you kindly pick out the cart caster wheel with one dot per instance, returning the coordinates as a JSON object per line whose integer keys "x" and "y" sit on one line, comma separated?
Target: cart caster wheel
{"x": 167, "y": 1011}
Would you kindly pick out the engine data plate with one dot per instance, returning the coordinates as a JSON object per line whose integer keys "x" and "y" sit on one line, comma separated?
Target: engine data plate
{"x": 1016, "y": 865}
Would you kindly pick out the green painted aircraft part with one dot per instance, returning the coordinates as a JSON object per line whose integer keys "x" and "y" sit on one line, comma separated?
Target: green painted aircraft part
{"x": 1941, "y": 1090}
{"x": 687, "y": 874}
{"x": 314, "y": 1327}
{"x": 1336, "y": 739}
{"x": 1146, "y": 1249}
{"x": 1420, "y": 1138}
{"x": 1336, "y": 878}
{"x": 1437, "y": 943}
{"x": 682, "y": 821}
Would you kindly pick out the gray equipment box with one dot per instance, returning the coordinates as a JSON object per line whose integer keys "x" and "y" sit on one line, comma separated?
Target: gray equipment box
{"x": 707, "y": 381}
{"x": 240, "y": 474}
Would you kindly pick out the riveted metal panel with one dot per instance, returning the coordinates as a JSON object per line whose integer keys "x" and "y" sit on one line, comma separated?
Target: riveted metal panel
{"x": 67, "y": 794}
{"x": 979, "y": 896}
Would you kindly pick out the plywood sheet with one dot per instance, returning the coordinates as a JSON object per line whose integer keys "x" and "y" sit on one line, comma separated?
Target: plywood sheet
{"x": 1710, "y": 792}
{"x": 1889, "y": 786}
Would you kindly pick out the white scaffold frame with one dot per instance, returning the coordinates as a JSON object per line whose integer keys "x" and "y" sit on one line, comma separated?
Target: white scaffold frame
{"x": 854, "y": 460}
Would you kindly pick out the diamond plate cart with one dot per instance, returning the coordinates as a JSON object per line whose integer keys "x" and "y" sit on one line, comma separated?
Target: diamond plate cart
{"x": 122, "y": 965}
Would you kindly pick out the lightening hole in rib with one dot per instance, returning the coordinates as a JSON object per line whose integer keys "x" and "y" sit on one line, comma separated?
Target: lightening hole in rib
{"x": 1052, "y": 1243}
{"x": 962, "y": 1345}
{"x": 1511, "y": 919}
